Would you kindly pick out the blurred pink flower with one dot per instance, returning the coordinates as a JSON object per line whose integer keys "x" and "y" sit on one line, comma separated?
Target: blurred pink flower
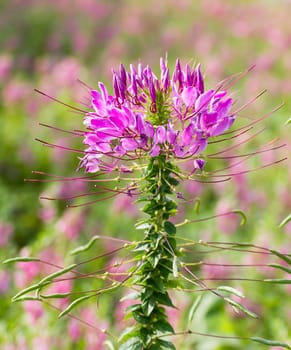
{"x": 119, "y": 313}
{"x": 124, "y": 204}
{"x": 26, "y": 271}
{"x": 42, "y": 342}
{"x": 5, "y": 66}
{"x": 118, "y": 269}
{"x": 71, "y": 223}
{"x": 6, "y": 230}
{"x": 226, "y": 224}
{"x": 216, "y": 269}
{"x": 34, "y": 309}
{"x": 47, "y": 213}
{"x": 16, "y": 92}
{"x": 250, "y": 305}
{"x": 4, "y": 282}
{"x": 64, "y": 286}
{"x": 94, "y": 338}
{"x": 74, "y": 329}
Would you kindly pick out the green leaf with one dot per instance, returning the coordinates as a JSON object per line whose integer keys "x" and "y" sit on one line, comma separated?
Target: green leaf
{"x": 240, "y": 307}
{"x": 134, "y": 307}
{"x": 151, "y": 207}
{"x": 173, "y": 181}
{"x": 142, "y": 246}
{"x": 130, "y": 296}
{"x": 85, "y": 247}
{"x": 143, "y": 226}
{"x": 74, "y": 304}
{"x": 157, "y": 285}
{"x": 164, "y": 327}
{"x": 128, "y": 333}
{"x": 139, "y": 317}
{"x": 57, "y": 274}
{"x": 230, "y": 290}
{"x": 162, "y": 344}
{"x": 172, "y": 284}
{"x": 282, "y": 256}
{"x": 20, "y": 259}
{"x": 154, "y": 260}
{"x": 170, "y": 228}
{"x": 286, "y": 220}
{"x": 109, "y": 344}
{"x": 164, "y": 299}
{"x": 132, "y": 344}
{"x": 148, "y": 306}
{"x": 270, "y": 342}
{"x": 194, "y": 307}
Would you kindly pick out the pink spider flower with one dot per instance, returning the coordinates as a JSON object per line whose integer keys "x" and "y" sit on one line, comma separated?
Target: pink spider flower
{"x": 148, "y": 116}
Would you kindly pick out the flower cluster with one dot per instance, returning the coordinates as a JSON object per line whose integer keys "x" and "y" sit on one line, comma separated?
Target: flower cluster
{"x": 148, "y": 116}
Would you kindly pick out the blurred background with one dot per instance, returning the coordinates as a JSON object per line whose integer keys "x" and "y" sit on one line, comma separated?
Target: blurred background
{"x": 52, "y": 46}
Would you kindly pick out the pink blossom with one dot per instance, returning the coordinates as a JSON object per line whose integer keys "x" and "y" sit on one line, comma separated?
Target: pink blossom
{"x": 5, "y": 66}
{"x": 226, "y": 224}
{"x": 6, "y": 230}
{"x": 71, "y": 223}
{"x": 16, "y": 92}
{"x": 74, "y": 329}
{"x": 124, "y": 204}
{"x": 34, "y": 309}
{"x": 4, "y": 282}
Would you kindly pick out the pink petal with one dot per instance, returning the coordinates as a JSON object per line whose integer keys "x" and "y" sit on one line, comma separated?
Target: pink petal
{"x": 189, "y": 96}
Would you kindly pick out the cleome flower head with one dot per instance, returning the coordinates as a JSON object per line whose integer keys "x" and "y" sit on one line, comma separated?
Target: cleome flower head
{"x": 149, "y": 116}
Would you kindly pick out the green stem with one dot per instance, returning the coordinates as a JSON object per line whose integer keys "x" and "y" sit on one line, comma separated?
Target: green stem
{"x": 156, "y": 254}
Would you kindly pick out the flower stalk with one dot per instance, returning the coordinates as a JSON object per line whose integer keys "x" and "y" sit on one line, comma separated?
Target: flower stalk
{"x": 156, "y": 255}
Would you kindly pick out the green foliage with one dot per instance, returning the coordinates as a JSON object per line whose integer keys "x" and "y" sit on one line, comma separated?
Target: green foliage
{"x": 156, "y": 262}
{"x": 38, "y": 57}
